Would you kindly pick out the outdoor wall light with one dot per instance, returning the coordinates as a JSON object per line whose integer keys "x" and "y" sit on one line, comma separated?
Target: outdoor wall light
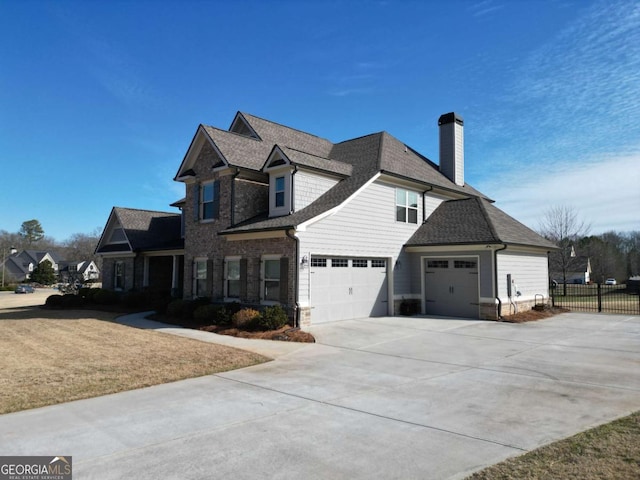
{"x": 303, "y": 261}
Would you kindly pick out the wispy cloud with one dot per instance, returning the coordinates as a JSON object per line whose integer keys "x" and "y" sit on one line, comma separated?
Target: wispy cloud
{"x": 575, "y": 138}
{"x": 603, "y": 189}
{"x": 483, "y": 8}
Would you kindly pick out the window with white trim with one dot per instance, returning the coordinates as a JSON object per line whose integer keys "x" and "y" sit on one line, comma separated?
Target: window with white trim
{"x": 118, "y": 275}
{"x": 232, "y": 278}
{"x": 376, "y": 263}
{"x": 209, "y": 196}
{"x": 200, "y": 278}
{"x": 279, "y": 192}
{"x": 359, "y": 263}
{"x": 406, "y": 206}
{"x": 271, "y": 280}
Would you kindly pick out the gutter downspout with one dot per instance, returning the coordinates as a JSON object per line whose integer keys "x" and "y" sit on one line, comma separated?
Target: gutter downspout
{"x": 233, "y": 196}
{"x": 296, "y": 313}
{"x": 293, "y": 196}
{"x": 424, "y": 204}
{"x": 495, "y": 279}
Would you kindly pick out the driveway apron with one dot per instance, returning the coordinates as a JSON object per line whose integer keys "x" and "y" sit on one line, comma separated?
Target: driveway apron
{"x": 391, "y": 397}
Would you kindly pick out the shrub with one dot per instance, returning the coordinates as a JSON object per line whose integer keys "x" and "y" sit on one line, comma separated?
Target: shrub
{"x": 160, "y": 303}
{"x": 174, "y": 308}
{"x": 409, "y": 307}
{"x": 272, "y": 318}
{"x": 245, "y": 318}
{"x": 88, "y": 293}
{"x": 134, "y": 299}
{"x": 70, "y": 300}
{"x": 206, "y": 314}
{"x": 105, "y": 297}
{"x": 54, "y": 301}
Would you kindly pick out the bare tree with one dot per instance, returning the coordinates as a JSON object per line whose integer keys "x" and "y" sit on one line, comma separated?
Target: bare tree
{"x": 562, "y": 226}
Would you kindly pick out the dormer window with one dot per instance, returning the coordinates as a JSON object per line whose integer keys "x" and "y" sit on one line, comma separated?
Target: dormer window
{"x": 280, "y": 173}
{"x": 279, "y": 192}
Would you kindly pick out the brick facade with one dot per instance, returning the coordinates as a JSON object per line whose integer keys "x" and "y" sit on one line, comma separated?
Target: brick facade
{"x": 245, "y": 199}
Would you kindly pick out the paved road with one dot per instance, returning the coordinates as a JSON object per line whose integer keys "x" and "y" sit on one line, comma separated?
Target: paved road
{"x": 374, "y": 398}
{"x": 15, "y": 300}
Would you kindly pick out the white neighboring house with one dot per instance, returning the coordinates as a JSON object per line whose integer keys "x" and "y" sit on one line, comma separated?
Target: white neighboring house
{"x": 76, "y": 270}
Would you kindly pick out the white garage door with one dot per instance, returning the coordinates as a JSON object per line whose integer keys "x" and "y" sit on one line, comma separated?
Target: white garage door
{"x": 451, "y": 287}
{"x": 343, "y": 288}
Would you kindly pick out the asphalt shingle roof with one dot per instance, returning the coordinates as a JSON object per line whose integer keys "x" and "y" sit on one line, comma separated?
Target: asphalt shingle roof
{"x": 474, "y": 221}
{"x": 147, "y": 230}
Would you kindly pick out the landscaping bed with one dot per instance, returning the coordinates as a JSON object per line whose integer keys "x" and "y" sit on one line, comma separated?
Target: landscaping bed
{"x": 533, "y": 315}
{"x": 283, "y": 334}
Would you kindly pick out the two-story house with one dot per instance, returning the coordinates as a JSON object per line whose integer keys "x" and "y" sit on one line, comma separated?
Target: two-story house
{"x": 330, "y": 230}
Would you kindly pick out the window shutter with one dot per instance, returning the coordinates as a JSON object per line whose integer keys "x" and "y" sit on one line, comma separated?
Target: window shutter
{"x": 243, "y": 279}
{"x": 284, "y": 280}
{"x": 216, "y": 199}
{"x": 209, "y": 277}
{"x": 196, "y": 203}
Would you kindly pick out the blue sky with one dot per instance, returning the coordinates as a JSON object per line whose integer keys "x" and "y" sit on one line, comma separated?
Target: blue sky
{"x": 100, "y": 100}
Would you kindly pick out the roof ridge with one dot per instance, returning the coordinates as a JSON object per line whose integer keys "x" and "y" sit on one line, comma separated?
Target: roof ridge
{"x": 486, "y": 216}
{"x": 360, "y": 137}
{"x": 145, "y": 210}
{"x": 308, "y": 153}
{"x": 245, "y": 114}
{"x": 221, "y": 130}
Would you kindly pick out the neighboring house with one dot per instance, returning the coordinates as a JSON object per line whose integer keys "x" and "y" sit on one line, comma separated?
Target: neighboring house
{"x": 80, "y": 270}
{"x": 577, "y": 267}
{"x": 19, "y": 266}
{"x": 332, "y": 231}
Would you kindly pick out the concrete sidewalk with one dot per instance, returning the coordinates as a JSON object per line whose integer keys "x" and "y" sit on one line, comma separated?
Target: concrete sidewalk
{"x": 268, "y": 348}
{"x": 374, "y": 398}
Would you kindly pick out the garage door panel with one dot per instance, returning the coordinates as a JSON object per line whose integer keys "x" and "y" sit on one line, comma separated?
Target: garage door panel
{"x": 451, "y": 287}
{"x": 355, "y": 289}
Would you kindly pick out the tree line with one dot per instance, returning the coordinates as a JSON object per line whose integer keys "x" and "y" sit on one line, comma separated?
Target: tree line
{"x": 611, "y": 254}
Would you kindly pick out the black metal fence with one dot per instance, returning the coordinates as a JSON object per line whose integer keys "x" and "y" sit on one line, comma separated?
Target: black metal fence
{"x": 597, "y": 298}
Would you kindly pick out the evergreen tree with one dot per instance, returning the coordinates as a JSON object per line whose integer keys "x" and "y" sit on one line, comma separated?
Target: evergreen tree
{"x": 44, "y": 273}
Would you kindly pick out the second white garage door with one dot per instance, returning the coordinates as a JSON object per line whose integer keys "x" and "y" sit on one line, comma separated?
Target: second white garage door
{"x": 344, "y": 288}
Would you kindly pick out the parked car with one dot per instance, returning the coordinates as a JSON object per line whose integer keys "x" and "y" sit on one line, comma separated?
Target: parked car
{"x": 25, "y": 289}
{"x": 610, "y": 281}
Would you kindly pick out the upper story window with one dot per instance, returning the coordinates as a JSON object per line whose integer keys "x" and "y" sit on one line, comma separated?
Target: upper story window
{"x": 406, "y": 206}
{"x": 209, "y": 200}
{"x": 279, "y": 192}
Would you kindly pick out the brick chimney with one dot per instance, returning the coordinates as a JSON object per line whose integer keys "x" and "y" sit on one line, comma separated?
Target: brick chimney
{"x": 452, "y": 147}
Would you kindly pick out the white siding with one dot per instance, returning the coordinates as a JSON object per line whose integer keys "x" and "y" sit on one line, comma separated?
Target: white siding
{"x": 528, "y": 270}
{"x": 365, "y": 227}
{"x": 308, "y": 187}
{"x": 431, "y": 202}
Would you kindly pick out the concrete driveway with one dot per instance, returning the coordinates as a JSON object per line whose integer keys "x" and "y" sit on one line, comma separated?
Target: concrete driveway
{"x": 374, "y": 398}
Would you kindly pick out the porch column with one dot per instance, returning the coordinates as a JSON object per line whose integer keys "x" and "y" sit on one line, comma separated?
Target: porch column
{"x": 145, "y": 272}
{"x": 175, "y": 274}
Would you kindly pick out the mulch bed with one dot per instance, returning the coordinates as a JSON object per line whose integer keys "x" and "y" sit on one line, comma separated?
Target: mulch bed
{"x": 533, "y": 315}
{"x": 284, "y": 334}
